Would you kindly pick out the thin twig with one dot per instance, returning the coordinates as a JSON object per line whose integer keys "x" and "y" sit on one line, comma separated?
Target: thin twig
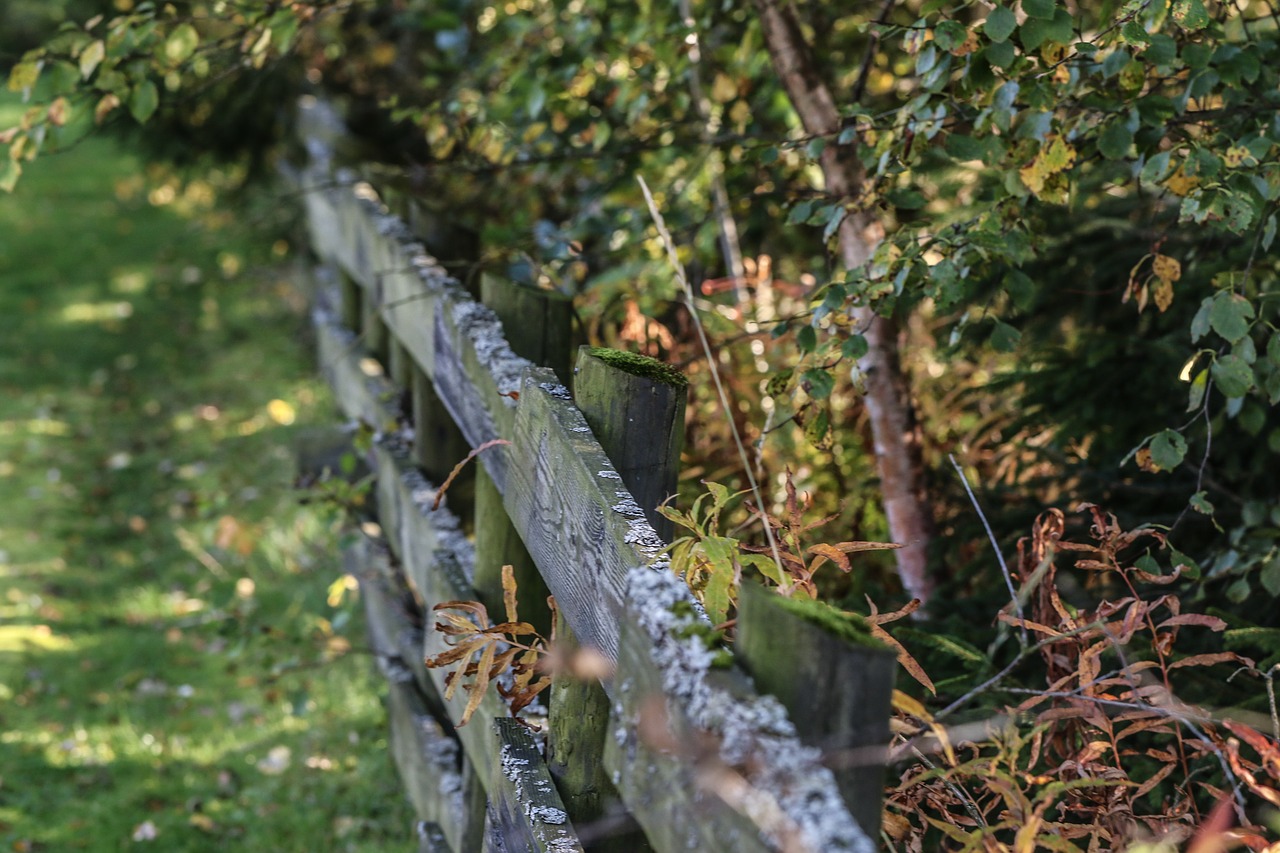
{"x": 713, "y": 368}
{"x": 1271, "y": 697}
{"x": 991, "y": 536}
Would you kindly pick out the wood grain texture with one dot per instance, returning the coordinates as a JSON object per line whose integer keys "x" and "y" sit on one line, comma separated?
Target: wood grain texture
{"x": 428, "y": 761}
{"x": 837, "y": 693}
{"x": 525, "y": 812}
{"x": 579, "y": 522}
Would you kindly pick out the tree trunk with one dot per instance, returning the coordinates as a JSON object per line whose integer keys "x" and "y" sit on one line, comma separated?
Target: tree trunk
{"x": 888, "y": 401}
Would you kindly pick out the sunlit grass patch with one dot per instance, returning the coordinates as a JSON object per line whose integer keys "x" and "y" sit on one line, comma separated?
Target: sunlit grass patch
{"x": 170, "y": 668}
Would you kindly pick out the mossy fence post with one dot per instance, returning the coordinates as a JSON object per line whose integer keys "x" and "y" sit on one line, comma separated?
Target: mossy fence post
{"x": 835, "y": 680}
{"x": 635, "y": 408}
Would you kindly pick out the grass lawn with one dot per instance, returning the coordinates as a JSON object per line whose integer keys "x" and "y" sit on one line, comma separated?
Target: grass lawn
{"x": 172, "y": 675}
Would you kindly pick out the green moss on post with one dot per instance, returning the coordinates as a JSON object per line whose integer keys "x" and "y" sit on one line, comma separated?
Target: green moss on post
{"x": 639, "y": 365}
{"x": 835, "y": 680}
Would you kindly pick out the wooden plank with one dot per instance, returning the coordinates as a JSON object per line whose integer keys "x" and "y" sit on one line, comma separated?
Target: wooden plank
{"x": 700, "y": 761}
{"x": 427, "y": 759}
{"x": 525, "y": 812}
{"x": 431, "y": 838}
{"x": 394, "y": 621}
{"x": 581, "y": 525}
{"x": 835, "y": 680}
{"x": 361, "y": 389}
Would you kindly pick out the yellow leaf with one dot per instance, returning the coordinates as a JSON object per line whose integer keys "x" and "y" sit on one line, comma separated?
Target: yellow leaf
{"x": 1162, "y": 293}
{"x": 509, "y": 592}
{"x": 724, "y": 89}
{"x": 1056, "y": 155}
{"x": 281, "y": 412}
{"x": 1167, "y": 268}
{"x": 91, "y": 57}
{"x": 24, "y": 76}
{"x": 1180, "y": 183}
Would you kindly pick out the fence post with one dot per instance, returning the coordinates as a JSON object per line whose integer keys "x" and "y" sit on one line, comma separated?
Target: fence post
{"x": 635, "y": 407}
{"x": 835, "y": 680}
{"x": 536, "y": 324}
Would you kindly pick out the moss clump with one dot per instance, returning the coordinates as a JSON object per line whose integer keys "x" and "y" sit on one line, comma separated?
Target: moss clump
{"x": 640, "y": 365}
{"x": 847, "y": 626}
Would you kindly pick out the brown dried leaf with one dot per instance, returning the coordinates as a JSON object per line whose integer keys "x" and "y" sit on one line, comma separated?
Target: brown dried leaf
{"x": 509, "y": 592}
{"x": 1211, "y": 659}
{"x": 476, "y": 688}
{"x": 1213, "y": 623}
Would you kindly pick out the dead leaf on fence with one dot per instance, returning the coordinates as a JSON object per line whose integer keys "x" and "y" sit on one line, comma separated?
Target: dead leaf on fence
{"x": 457, "y": 469}
{"x": 511, "y": 646}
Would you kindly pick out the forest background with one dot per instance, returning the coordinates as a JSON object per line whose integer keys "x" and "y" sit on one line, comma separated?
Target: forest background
{"x": 1023, "y": 248}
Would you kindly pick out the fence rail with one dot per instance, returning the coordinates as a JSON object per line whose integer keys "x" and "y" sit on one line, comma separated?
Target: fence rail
{"x": 686, "y": 749}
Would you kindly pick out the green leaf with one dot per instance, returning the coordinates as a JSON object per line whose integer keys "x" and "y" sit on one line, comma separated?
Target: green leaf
{"x": 961, "y": 147}
{"x": 1195, "y": 396}
{"x": 1238, "y": 592}
{"x": 143, "y": 101}
{"x": 1115, "y": 140}
{"x": 1004, "y": 337}
{"x": 1168, "y": 449}
{"x": 818, "y": 430}
{"x": 181, "y": 44}
{"x": 1270, "y": 576}
{"x": 1037, "y": 31}
{"x": 1201, "y": 504}
{"x": 1190, "y": 568}
{"x": 1190, "y": 14}
{"x": 10, "y": 171}
{"x": 818, "y": 383}
{"x": 1230, "y": 315}
{"x": 1200, "y": 322}
{"x": 854, "y": 347}
{"x": 1000, "y": 24}
{"x": 816, "y": 146}
{"x": 800, "y": 212}
{"x": 807, "y": 339}
{"x": 1039, "y": 8}
{"x": 1233, "y": 376}
{"x": 1001, "y": 55}
{"x": 949, "y": 35}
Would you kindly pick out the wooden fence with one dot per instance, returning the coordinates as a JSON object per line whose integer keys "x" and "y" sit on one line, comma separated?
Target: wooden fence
{"x": 676, "y": 749}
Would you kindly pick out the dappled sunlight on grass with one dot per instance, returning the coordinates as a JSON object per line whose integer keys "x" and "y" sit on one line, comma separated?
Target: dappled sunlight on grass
{"x": 170, "y": 668}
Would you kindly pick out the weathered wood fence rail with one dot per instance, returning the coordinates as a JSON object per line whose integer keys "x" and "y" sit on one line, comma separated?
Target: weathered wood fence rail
{"x": 673, "y": 751}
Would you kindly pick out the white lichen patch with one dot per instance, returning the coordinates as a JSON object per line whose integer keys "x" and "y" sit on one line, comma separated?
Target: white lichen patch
{"x": 608, "y": 474}
{"x": 755, "y": 735}
{"x": 482, "y": 328}
{"x": 555, "y": 389}
{"x": 546, "y": 814}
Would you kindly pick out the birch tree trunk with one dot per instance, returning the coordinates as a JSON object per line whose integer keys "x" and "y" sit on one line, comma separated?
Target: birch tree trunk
{"x": 887, "y": 399}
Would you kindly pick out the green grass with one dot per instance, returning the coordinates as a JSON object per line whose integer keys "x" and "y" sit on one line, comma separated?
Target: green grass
{"x": 169, "y": 663}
